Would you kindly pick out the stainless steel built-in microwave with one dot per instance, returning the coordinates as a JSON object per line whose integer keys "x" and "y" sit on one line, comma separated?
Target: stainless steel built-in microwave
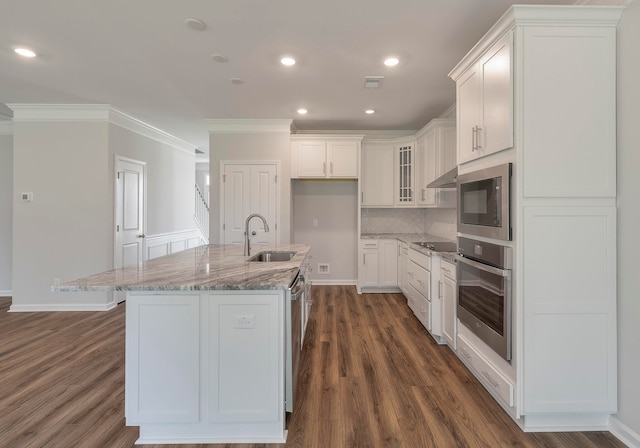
{"x": 483, "y": 202}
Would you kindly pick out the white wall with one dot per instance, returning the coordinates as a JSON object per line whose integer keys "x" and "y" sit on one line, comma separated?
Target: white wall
{"x": 66, "y": 231}
{"x": 334, "y": 240}
{"x": 251, "y": 147}
{"x": 628, "y": 219}
{"x": 170, "y": 179}
{"x": 6, "y": 206}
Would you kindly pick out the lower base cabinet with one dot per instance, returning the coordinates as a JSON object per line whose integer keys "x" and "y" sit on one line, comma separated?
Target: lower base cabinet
{"x": 447, "y": 289}
{"x": 378, "y": 265}
{"x": 184, "y": 380}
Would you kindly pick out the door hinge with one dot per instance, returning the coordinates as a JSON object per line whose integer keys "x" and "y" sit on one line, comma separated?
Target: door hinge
{"x": 224, "y": 178}
{"x": 117, "y": 227}
{"x": 224, "y": 226}
{"x": 118, "y": 175}
{"x": 275, "y": 178}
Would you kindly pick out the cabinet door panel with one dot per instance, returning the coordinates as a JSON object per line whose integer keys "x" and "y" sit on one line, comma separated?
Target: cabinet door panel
{"x": 377, "y": 176}
{"x": 468, "y": 113}
{"x": 497, "y": 90}
{"x": 312, "y": 159}
{"x": 343, "y": 159}
{"x": 163, "y": 359}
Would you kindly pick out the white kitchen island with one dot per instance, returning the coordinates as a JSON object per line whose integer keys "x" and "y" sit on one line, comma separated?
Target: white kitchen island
{"x": 205, "y": 344}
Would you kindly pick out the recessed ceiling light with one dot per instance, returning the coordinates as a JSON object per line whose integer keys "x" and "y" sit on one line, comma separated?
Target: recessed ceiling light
{"x": 219, "y": 57}
{"x": 287, "y": 61}
{"x": 369, "y": 111}
{"x": 302, "y": 111}
{"x": 236, "y": 81}
{"x": 25, "y": 52}
{"x": 195, "y": 24}
{"x": 390, "y": 62}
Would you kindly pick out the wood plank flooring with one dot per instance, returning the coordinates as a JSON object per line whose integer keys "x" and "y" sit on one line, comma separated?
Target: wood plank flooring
{"x": 370, "y": 376}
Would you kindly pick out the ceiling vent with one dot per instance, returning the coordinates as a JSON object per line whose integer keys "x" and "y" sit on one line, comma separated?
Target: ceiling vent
{"x": 373, "y": 82}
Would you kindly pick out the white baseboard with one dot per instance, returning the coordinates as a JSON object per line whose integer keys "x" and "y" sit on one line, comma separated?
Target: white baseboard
{"x": 625, "y": 434}
{"x": 6, "y": 293}
{"x": 32, "y": 308}
{"x": 333, "y": 282}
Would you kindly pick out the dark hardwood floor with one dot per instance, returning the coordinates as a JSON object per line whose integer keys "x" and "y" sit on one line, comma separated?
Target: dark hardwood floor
{"x": 370, "y": 377}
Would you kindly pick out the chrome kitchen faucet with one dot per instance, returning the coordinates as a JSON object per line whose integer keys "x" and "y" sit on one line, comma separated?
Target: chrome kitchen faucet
{"x": 247, "y": 243}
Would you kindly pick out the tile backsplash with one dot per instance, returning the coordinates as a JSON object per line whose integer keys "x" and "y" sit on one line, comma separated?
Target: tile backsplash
{"x": 439, "y": 222}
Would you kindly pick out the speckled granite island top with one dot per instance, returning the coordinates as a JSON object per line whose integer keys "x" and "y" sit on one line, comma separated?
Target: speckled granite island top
{"x": 208, "y": 267}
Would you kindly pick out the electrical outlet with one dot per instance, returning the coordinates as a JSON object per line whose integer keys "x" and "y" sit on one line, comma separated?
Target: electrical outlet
{"x": 244, "y": 321}
{"x": 315, "y": 222}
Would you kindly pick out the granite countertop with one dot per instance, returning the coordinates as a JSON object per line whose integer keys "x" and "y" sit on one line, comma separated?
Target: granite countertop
{"x": 410, "y": 238}
{"x": 208, "y": 267}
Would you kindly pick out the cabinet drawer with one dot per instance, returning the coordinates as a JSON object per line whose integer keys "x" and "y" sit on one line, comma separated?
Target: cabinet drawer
{"x": 448, "y": 269}
{"x": 485, "y": 372}
{"x": 369, "y": 244}
{"x": 418, "y": 278}
{"x": 421, "y": 307}
{"x": 420, "y": 259}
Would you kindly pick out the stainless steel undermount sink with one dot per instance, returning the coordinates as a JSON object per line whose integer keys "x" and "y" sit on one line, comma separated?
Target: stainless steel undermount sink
{"x": 271, "y": 255}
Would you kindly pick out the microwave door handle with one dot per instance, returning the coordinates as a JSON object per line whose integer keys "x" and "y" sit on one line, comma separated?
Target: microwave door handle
{"x": 484, "y": 267}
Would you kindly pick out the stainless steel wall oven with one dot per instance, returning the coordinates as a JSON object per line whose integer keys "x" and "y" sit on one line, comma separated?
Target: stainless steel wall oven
{"x": 484, "y": 292}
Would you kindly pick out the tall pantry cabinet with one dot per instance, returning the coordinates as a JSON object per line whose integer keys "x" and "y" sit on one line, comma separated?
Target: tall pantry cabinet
{"x": 539, "y": 91}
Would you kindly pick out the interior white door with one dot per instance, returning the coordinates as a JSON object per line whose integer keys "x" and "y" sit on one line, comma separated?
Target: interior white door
{"x": 247, "y": 189}
{"x": 130, "y": 196}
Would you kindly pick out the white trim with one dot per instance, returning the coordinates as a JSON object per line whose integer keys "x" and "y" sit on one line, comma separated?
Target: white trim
{"x": 336, "y": 282}
{"x": 6, "y": 128}
{"x": 625, "y": 434}
{"x": 119, "y": 118}
{"x": 539, "y": 15}
{"x": 97, "y": 113}
{"x": 232, "y": 125}
{"x": 38, "y": 307}
{"x": 160, "y": 440}
{"x": 327, "y": 137}
{"x": 60, "y": 112}
{"x": 6, "y": 293}
{"x": 168, "y": 243}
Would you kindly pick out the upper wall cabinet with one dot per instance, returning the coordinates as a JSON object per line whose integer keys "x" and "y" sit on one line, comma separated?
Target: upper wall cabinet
{"x": 376, "y": 180}
{"x": 404, "y": 181}
{"x": 485, "y": 102}
{"x": 325, "y": 156}
{"x": 435, "y": 155}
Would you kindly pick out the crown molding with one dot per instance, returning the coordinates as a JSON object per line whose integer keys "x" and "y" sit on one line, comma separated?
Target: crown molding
{"x": 140, "y": 127}
{"x": 96, "y": 113}
{"x": 6, "y": 128}
{"x": 232, "y": 125}
{"x": 59, "y": 112}
{"x": 539, "y": 15}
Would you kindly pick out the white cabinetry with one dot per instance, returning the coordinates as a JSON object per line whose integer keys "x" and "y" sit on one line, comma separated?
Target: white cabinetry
{"x": 184, "y": 378}
{"x": 435, "y": 155}
{"x": 485, "y": 102}
{"x": 447, "y": 289}
{"x": 404, "y": 181}
{"x": 378, "y": 266}
{"x": 419, "y": 299}
{"x": 551, "y": 70}
{"x": 377, "y": 174}
{"x": 325, "y": 156}
{"x": 403, "y": 265}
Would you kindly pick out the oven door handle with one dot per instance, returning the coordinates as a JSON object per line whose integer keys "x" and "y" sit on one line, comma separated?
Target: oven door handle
{"x": 484, "y": 267}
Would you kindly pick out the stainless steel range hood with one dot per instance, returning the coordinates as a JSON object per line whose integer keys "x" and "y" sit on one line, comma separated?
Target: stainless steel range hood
{"x": 447, "y": 180}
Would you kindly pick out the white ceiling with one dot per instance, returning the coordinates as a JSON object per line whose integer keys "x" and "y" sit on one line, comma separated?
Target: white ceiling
{"x": 140, "y": 57}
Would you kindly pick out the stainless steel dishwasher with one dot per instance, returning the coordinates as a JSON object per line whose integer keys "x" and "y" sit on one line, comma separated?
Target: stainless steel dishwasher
{"x": 294, "y": 305}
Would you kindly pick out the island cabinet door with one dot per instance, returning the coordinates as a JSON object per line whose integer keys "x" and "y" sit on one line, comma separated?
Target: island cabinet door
{"x": 162, "y": 359}
{"x": 244, "y": 359}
